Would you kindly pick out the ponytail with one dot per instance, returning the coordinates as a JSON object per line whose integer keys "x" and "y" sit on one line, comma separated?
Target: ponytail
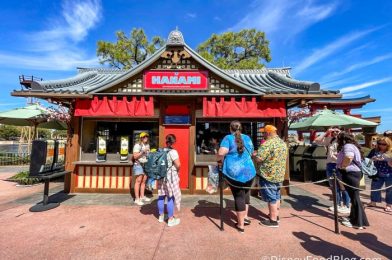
{"x": 239, "y": 142}
{"x": 236, "y": 127}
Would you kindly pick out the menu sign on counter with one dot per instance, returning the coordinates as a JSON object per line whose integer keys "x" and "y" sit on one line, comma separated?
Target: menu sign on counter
{"x": 176, "y": 80}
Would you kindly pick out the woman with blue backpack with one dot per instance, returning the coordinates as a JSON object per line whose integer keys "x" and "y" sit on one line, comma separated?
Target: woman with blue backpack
{"x": 235, "y": 153}
{"x": 381, "y": 156}
{"x": 169, "y": 187}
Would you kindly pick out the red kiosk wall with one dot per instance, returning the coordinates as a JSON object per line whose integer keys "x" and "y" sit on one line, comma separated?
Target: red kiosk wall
{"x": 182, "y": 134}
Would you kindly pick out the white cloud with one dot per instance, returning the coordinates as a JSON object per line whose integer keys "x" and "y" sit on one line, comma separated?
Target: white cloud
{"x": 56, "y": 46}
{"x": 331, "y": 48}
{"x": 284, "y": 18}
{"x": 359, "y": 66}
{"x": 191, "y": 15}
{"x": 338, "y": 82}
{"x": 354, "y": 94}
{"x": 364, "y": 85}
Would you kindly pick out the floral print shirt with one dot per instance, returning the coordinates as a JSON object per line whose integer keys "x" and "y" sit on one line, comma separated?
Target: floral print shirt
{"x": 273, "y": 154}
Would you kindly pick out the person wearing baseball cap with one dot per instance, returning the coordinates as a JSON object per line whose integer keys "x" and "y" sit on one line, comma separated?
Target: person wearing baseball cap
{"x": 140, "y": 151}
{"x": 272, "y": 156}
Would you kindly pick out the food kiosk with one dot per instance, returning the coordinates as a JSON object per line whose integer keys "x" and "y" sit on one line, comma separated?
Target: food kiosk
{"x": 175, "y": 91}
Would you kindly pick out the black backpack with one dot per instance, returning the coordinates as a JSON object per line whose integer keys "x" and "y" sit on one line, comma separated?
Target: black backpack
{"x": 157, "y": 165}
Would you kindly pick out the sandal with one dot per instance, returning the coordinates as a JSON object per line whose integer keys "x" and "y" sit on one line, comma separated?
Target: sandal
{"x": 241, "y": 230}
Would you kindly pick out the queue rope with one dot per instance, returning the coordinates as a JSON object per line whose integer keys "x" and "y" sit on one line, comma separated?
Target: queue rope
{"x": 264, "y": 188}
{"x": 303, "y": 184}
{"x": 355, "y": 188}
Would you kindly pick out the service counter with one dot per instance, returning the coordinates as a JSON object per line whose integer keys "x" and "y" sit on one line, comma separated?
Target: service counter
{"x": 109, "y": 176}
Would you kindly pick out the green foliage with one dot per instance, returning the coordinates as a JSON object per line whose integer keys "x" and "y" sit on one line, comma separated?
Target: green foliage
{"x": 59, "y": 134}
{"x": 44, "y": 133}
{"x": 13, "y": 159}
{"x": 9, "y": 132}
{"x": 127, "y": 52}
{"x": 246, "y": 49}
{"x": 23, "y": 179}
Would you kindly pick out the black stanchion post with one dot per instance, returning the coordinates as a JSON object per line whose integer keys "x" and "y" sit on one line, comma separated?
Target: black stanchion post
{"x": 221, "y": 198}
{"x": 335, "y": 202}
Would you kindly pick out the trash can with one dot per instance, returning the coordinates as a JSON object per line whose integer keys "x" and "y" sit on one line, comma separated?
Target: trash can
{"x": 295, "y": 171}
{"x": 291, "y": 158}
{"x": 308, "y": 164}
{"x": 320, "y": 156}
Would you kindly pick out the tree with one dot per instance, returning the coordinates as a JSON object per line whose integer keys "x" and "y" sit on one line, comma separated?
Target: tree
{"x": 9, "y": 132}
{"x": 246, "y": 49}
{"x": 127, "y": 52}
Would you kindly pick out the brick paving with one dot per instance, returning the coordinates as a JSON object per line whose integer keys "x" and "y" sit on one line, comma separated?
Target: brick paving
{"x": 109, "y": 226}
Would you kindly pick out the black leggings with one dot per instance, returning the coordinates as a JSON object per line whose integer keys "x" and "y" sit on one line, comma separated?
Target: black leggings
{"x": 357, "y": 214}
{"x": 241, "y": 195}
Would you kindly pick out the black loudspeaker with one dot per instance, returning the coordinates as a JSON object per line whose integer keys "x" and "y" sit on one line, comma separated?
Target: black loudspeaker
{"x": 59, "y": 155}
{"x": 42, "y": 157}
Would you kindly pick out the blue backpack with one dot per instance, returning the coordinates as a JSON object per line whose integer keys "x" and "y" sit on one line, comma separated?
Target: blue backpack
{"x": 157, "y": 165}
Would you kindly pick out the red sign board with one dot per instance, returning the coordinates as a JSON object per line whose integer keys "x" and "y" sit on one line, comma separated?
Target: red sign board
{"x": 176, "y": 80}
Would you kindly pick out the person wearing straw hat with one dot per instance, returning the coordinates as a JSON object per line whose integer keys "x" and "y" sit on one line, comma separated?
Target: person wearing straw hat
{"x": 272, "y": 156}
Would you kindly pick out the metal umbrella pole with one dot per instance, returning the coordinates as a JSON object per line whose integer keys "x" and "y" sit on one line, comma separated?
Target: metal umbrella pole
{"x": 335, "y": 202}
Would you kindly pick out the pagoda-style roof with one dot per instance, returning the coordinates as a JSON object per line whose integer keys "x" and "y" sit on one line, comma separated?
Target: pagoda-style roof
{"x": 262, "y": 82}
{"x": 342, "y": 103}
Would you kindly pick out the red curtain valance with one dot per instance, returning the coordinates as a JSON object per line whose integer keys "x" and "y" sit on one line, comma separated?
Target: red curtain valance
{"x": 115, "y": 107}
{"x": 243, "y": 108}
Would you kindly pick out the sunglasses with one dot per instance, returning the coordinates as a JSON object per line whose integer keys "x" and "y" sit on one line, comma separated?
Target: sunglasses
{"x": 383, "y": 144}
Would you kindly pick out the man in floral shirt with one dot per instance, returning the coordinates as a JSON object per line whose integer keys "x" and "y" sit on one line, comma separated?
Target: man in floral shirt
{"x": 272, "y": 156}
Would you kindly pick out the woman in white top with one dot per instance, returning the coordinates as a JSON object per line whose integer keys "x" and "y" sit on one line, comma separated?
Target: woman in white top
{"x": 330, "y": 141}
{"x": 140, "y": 152}
{"x": 169, "y": 187}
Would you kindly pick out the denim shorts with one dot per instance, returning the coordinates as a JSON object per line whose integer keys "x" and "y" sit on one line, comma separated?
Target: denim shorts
{"x": 270, "y": 191}
{"x": 138, "y": 169}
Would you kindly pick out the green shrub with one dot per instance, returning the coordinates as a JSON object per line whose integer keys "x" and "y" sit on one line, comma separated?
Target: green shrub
{"x": 23, "y": 179}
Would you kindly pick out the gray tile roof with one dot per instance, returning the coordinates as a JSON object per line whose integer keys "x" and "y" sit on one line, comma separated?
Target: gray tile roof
{"x": 358, "y": 100}
{"x": 275, "y": 80}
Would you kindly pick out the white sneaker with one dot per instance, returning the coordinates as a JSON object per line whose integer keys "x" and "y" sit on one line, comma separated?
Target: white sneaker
{"x": 161, "y": 218}
{"x": 145, "y": 199}
{"x": 332, "y": 208}
{"x": 139, "y": 202}
{"x": 344, "y": 210}
{"x": 173, "y": 222}
{"x": 347, "y": 224}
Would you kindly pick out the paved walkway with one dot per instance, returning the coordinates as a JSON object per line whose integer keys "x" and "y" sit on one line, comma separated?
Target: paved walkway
{"x": 107, "y": 226}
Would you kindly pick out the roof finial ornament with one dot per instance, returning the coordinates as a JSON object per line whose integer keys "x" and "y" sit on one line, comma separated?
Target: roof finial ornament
{"x": 175, "y": 38}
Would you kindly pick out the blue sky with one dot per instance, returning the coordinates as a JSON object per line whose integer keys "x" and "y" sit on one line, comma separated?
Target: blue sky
{"x": 342, "y": 44}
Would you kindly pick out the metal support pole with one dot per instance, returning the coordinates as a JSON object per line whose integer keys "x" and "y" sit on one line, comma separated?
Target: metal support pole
{"x": 335, "y": 202}
{"x": 221, "y": 198}
{"x": 46, "y": 192}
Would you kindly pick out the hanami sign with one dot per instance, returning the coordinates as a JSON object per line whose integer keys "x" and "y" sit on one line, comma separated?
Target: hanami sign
{"x": 176, "y": 80}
